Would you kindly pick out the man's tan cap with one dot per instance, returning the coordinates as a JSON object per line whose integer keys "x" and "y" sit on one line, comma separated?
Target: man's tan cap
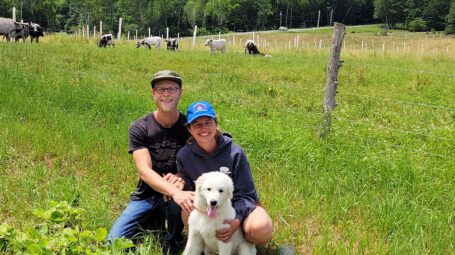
{"x": 166, "y": 75}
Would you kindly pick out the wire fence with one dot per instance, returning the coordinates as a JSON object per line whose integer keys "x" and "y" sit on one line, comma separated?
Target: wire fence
{"x": 299, "y": 43}
{"x": 447, "y": 142}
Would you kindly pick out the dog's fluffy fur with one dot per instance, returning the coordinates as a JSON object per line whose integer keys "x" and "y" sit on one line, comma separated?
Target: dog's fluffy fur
{"x": 214, "y": 192}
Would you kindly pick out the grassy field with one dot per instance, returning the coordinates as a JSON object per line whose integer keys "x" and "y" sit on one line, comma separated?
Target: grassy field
{"x": 382, "y": 182}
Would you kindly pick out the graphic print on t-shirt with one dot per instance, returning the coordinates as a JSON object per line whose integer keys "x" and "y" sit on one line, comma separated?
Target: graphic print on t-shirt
{"x": 163, "y": 155}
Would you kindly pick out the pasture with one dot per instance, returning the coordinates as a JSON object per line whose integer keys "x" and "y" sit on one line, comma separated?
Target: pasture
{"x": 382, "y": 182}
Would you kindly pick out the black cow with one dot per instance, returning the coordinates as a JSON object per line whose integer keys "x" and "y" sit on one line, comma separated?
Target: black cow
{"x": 172, "y": 44}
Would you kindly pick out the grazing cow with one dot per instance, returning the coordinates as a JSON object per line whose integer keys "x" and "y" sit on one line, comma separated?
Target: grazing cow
{"x": 216, "y": 45}
{"x": 106, "y": 40}
{"x": 252, "y": 49}
{"x": 35, "y": 31}
{"x": 282, "y": 28}
{"x": 22, "y": 32}
{"x": 149, "y": 41}
{"x": 12, "y": 29}
{"x": 172, "y": 44}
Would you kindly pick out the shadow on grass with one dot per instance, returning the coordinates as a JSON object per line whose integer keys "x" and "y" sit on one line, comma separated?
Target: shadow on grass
{"x": 274, "y": 249}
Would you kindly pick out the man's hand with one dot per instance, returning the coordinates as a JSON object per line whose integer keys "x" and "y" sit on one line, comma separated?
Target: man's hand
{"x": 175, "y": 180}
{"x": 225, "y": 234}
{"x": 185, "y": 199}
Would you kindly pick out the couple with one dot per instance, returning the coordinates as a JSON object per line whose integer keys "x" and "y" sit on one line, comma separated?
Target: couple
{"x": 165, "y": 191}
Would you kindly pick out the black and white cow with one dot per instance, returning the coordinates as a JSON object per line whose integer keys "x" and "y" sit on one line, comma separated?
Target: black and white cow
{"x": 35, "y": 31}
{"x": 172, "y": 44}
{"x": 106, "y": 40}
{"x": 252, "y": 49}
{"x": 22, "y": 32}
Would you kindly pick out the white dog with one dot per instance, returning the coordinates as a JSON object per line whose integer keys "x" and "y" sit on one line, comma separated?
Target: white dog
{"x": 214, "y": 192}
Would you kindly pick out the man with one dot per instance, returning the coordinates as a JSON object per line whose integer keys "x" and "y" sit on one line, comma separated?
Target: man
{"x": 154, "y": 141}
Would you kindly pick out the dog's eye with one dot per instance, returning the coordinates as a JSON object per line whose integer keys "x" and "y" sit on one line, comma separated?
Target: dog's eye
{"x": 221, "y": 191}
{"x": 209, "y": 189}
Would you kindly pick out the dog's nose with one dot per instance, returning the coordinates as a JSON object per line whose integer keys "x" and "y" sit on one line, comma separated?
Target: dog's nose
{"x": 213, "y": 202}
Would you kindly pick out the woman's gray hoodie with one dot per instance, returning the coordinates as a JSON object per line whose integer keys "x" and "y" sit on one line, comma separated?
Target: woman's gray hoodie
{"x": 229, "y": 158}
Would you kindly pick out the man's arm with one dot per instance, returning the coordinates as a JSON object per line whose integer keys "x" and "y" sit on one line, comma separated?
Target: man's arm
{"x": 144, "y": 168}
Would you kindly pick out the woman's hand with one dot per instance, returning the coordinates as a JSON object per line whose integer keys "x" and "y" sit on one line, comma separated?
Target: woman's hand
{"x": 225, "y": 234}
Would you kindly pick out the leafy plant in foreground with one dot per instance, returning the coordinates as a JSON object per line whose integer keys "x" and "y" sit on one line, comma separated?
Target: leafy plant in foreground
{"x": 59, "y": 233}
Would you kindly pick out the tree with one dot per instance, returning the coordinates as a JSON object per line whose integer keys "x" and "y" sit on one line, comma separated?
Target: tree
{"x": 417, "y": 25}
{"x": 391, "y": 12}
{"x": 435, "y": 14}
{"x": 218, "y": 10}
{"x": 450, "y": 28}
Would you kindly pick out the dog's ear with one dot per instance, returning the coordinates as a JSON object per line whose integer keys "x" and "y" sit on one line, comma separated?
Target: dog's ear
{"x": 199, "y": 201}
{"x": 230, "y": 188}
{"x": 199, "y": 183}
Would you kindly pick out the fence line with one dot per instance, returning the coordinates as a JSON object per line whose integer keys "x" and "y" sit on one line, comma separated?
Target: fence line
{"x": 401, "y": 146}
{"x": 374, "y": 65}
{"x": 403, "y": 102}
{"x": 396, "y": 129}
{"x": 425, "y": 152}
{"x": 405, "y": 69}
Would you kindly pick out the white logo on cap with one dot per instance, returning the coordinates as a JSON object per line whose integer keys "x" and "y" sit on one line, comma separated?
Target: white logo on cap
{"x": 200, "y": 107}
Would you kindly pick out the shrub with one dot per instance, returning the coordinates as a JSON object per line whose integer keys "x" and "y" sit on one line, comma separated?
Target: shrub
{"x": 417, "y": 25}
{"x": 59, "y": 233}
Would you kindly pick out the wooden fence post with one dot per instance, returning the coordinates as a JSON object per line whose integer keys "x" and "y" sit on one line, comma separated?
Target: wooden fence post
{"x": 194, "y": 35}
{"x": 331, "y": 82}
{"x": 119, "y": 36}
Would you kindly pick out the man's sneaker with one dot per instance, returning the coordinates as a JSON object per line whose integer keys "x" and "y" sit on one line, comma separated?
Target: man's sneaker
{"x": 286, "y": 250}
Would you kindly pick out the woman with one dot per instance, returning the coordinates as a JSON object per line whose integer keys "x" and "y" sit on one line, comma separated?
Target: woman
{"x": 210, "y": 150}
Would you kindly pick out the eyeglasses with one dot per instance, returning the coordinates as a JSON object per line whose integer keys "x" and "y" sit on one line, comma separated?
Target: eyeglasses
{"x": 169, "y": 90}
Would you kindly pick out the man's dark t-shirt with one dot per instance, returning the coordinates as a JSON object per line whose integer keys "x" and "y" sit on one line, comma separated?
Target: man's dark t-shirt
{"x": 163, "y": 145}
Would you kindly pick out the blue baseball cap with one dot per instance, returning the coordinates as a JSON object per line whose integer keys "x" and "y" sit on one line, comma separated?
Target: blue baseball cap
{"x": 199, "y": 109}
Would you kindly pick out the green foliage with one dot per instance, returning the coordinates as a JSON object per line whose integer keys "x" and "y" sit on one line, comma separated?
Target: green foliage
{"x": 59, "y": 233}
{"x": 417, "y": 25}
{"x": 450, "y": 28}
{"x": 396, "y": 12}
{"x": 223, "y": 15}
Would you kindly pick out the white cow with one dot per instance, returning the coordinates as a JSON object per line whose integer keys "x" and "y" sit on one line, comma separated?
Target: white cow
{"x": 149, "y": 41}
{"x": 216, "y": 45}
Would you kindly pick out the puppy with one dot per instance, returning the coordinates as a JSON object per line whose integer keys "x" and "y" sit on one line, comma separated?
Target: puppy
{"x": 214, "y": 191}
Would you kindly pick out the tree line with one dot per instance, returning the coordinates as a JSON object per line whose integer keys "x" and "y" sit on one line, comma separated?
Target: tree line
{"x": 213, "y": 16}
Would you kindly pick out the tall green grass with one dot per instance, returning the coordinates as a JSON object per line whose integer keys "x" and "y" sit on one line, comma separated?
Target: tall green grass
{"x": 382, "y": 182}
